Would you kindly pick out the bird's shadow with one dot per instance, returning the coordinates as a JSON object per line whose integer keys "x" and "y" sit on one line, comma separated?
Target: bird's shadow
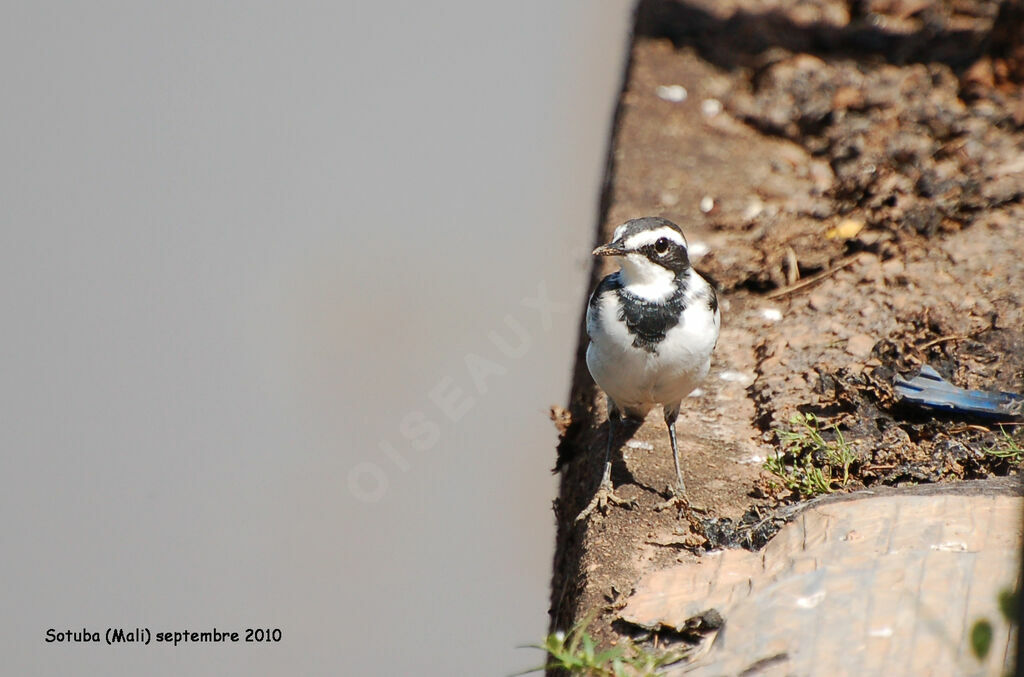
{"x": 625, "y": 428}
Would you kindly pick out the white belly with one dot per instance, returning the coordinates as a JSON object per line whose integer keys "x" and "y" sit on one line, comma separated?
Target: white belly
{"x": 637, "y": 380}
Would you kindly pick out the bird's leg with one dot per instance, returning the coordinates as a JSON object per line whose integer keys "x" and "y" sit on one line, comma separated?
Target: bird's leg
{"x": 677, "y": 495}
{"x": 675, "y": 453}
{"x": 605, "y": 492}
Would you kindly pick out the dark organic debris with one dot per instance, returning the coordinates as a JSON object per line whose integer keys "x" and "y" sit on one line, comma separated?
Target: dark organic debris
{"x": 750, "y": 532}
{"x": 931, "y": 391}
{"x": 692, "y": 631}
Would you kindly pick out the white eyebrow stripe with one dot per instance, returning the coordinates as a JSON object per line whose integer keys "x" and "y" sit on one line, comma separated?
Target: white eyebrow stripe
{"x": 652, "y": 236}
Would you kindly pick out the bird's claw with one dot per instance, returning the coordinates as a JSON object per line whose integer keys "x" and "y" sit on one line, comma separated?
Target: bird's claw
{"x": 680, "y": 501}
{"x": 604, "y": 497}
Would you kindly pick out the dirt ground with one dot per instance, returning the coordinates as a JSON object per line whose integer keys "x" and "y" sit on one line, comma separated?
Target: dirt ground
{"x": 855, "y": 171}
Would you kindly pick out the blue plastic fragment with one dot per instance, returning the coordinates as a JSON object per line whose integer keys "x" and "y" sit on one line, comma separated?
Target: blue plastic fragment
{"x": 930, "y": 390}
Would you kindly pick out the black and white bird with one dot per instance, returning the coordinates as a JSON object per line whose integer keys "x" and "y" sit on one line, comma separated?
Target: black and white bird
{"x": 652, "y": 326}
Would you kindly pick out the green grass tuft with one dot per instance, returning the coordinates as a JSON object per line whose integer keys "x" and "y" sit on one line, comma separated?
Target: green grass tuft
{"x": 807, "y": 464}
{"x": 576, "y": 652}
{"x": 1006, "y": 448}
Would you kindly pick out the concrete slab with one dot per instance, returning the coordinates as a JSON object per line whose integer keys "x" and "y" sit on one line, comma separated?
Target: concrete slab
{"x": 871, "y": 584}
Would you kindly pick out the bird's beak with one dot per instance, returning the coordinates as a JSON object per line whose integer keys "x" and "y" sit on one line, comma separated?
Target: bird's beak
{"x": 610, "y": 249}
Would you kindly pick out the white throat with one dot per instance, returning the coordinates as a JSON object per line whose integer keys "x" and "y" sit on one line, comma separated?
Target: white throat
{"x": 645, "y": 279}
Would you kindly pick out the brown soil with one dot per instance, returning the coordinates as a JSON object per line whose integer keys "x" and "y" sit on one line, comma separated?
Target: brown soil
{"x": 867, "y": 172}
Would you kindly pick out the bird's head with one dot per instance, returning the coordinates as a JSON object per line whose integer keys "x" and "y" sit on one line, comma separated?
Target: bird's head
{"x": 652, "y": 252}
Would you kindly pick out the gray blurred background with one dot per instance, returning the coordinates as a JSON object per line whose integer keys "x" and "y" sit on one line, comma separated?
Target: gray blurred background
{"x": 287, "y": 291}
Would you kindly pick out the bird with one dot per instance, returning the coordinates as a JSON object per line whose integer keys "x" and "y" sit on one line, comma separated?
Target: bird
{"x": 653, "y": 326}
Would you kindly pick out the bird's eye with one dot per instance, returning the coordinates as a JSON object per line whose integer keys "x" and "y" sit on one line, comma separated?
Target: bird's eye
{"x": 661, "y": 246}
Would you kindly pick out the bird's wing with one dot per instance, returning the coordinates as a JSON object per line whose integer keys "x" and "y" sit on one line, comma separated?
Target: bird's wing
{"x": 609, "y": 285}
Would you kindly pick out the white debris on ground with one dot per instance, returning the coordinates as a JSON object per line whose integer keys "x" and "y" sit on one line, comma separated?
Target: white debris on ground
{"x": 771, "y": 314}
{"x": 736, "y": 377}
{"x": 753, "y": 210}
{"x": 810, "y": 601}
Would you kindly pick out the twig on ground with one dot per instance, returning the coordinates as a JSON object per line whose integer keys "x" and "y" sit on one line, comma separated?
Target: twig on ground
{"x": 813, "y": 279}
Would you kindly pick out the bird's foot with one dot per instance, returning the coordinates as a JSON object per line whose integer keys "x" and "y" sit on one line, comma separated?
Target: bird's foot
{"x": 604, "y": 497}
{"x": 680, "y": 501}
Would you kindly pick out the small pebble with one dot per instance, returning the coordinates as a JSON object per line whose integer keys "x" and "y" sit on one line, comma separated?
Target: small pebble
{"x": 817, "y": 302}
{"x": 899, "y": 302}
{"x": 771, "y": 314}
{"x": 860, "y": 345}
{"x": 668, "y": 198}
{"x": 846, "y": 230}
{"x": 707, "y": 203}
{"x": 710, "y": 107}
{"x": 673, "y": 93}
{"x": 839, "y": 329}
{"x": 801, "y": 337}
{"x": 892, "y": 267}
